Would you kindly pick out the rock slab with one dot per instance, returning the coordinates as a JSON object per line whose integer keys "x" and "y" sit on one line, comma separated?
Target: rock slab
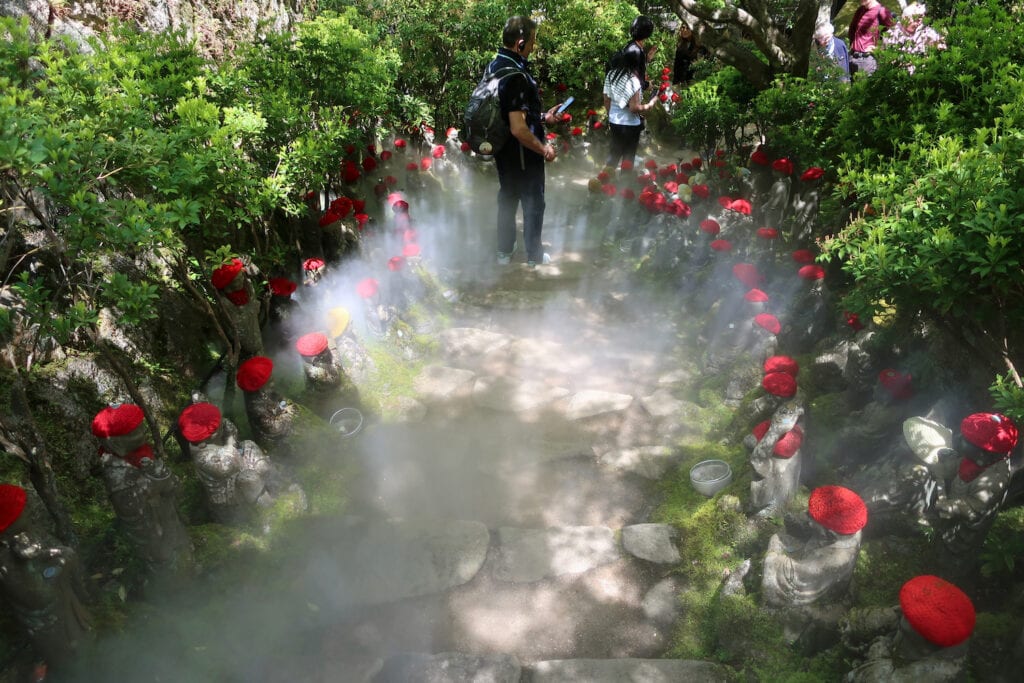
{"x": 651, "y": 542}
{"x": 628, "y": 671}
{"x": 526, "y": 555}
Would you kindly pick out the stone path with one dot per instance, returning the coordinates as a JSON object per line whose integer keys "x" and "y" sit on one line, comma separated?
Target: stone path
{"x": 510, "y": 519}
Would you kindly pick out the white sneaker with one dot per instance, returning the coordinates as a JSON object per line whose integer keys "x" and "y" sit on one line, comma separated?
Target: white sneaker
{"x": 504, "y": 259}
{"x": 546, "y": 259}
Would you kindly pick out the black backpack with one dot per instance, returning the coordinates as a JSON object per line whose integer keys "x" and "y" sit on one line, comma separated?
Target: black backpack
{"x": 483, "y": 127}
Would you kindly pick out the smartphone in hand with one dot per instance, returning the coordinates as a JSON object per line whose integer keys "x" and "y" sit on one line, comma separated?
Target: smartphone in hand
{"x": 565, "y": 105}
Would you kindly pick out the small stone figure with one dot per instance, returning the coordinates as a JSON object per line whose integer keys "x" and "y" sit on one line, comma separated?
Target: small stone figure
{"x": 40, "y": 583}
{"x": 270, "y": 414}
{"x": 814, "y": 558}
{"x": 351, "y": 352}
{"x": 282, "y": 305}
{"x": 236, "y": 476}
{"x": 805, "y": 204}
{"x": 238, "y": 299}
{"x": 810, "y": 311}
{"x": 976, "y": 493}
{"x": 777, "y": 388}
{"x": 142, "y": 490}
{"x": 874, "y": 426}
{"x": 773, "y": 210}
{"x": 775, "y": 460}
{"x": 326, "y": 380}
{"x": 314, "y": 270}
{"x": 929, "y": 643}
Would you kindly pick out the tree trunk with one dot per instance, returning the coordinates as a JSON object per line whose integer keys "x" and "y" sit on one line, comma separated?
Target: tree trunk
{"x": 20, "y": 437}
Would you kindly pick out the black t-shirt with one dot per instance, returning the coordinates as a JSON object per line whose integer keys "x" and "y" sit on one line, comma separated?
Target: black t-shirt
{"x": 518, "y": 92}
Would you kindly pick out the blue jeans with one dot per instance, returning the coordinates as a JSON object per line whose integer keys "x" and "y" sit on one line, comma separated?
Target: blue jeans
{"x": 516, "y": 186}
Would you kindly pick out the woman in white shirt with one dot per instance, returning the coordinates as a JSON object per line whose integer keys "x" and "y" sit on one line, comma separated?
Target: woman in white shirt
{"x": 623, "y": 91}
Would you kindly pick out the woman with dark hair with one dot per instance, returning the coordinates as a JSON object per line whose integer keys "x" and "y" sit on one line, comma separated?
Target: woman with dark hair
{"x": 623, "y": 91}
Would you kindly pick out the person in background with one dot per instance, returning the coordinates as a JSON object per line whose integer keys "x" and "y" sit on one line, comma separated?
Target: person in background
{"x": 865, "y": 33}
{"x": 833, "y": 57}
{"x": 687, "y": 52}
{"x": 520, "y": 162}
{"x": 622, "y": 99}
{"x": 639, "y": 31}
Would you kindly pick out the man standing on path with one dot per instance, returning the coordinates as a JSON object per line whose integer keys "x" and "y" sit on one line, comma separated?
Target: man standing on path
{"x": 521, "y": 161}
{"x": 865, "y": 32}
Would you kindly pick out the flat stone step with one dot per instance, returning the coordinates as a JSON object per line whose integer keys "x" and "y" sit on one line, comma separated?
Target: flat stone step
{"x": 527, "y": 555}
{"x": 449, "y": 667}
{"x": 628, "y": 670}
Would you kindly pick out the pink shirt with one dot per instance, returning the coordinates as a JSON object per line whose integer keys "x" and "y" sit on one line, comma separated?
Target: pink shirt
{"x": 866, "y": 26}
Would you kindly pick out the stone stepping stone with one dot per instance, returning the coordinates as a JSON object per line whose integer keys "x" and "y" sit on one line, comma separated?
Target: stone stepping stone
{"x": 628, "y": 671}
{"x": 593, "y": 402}
{"x": 651, "y": 542}
{"x": 462, "y": 343}
{"x": 649, "y": 462}
{"x": 678, "y": 376}
{"x": 506, "y": 395}
{"x": 526, "y": 555}
{"x": 662, "y": 404}
{"x": 441, "y": 384}
{"x": 661, "y": 603}
{"x": 384, "y": 562}
{"x": 449, "y": 667}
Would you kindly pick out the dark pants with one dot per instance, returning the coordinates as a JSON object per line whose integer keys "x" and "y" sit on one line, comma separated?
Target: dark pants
{"x": 625, "y": 140}
{"x": 865, "y": 63}
{"x": 520, "y": 186}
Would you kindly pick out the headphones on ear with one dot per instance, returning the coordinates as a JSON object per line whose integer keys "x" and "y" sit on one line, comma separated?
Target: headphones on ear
{"x": 520, "y": 45}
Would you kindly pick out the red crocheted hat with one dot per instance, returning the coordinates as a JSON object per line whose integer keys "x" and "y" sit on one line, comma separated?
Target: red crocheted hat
{"x": 199, "y": 421}
{"x": 938, "y": 610}
{"x": 837, "y": 508}
{"x": 787, "y": 446}
{"x": 12, "y": 502}
{"x": 747, "y": 273}
{"x": 898, "y": 384}
{"x": 254, "y": 373}
{"x": 313, "y": 264}
{"x": 811, "y": 272}
{"x": 767, "y": 233}
{"x": 813, "y": 173}
{"x": 768, "y": 322}
{"x": 135, "y": 457}
{"x": 759, "y": 157}
{"x": 779, "y": 384}
{"x": 803, "y": 256}
{"x": 281, "y": 286}
{"x": 784, "y": 166}
{"x": 367, "y": 287}
{"x": 756, "y": 295}
{"x": 721, "y": 245}
{"x": 312, "y": 344}
{"x": 740, "y": 206}
{"x": 710, "y": 226}
{"x": 782, "y": 364}
{"x": 117, "y": 421}
{"x": 223, "y": 276}
{"x": 992, "y": 432}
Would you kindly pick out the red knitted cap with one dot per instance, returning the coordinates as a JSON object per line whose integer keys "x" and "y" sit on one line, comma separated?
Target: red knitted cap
{"x": 782, "y": 364}
{"x": 803, "y": 256}
{"x": 787, "y": 446}
{"x": 838, "y": 508}
{"x": 768, "y": 322}
{"x": 938, "y": 610}
{"x": 12, "y": 502}
{"x": 747, "y": 273}
{"x": 254, "y": 373}
{"x": 779, "y": 384}
{"x": 199, "y": 421}
{"x": 367, "y": 287}
{"x": 811, "y": 272}
{"x": 759, "y": 157}
{"x": 117, "y": 421}
{"x": 784, "y": 166}
{"x": 898, "y": 384}
{"x": 756, "y": 295}
{"x": 312, "y": 264}
{"x": 312, "y": 344}
{"x": 813, "y": 173}
{"x": 135, "y": 457}
{"x": 223, "y": 276}
{"x": 710, "y": 226}
{"x": 767, "y": 233}
{"x": 740, "y": 206}
{"x": 281, "y": 286}
{"x": 992, "y": 432}
{"x": 721, "y": 245}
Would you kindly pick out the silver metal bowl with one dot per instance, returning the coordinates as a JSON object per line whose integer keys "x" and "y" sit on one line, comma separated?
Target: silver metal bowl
{"x": 710, "y": 476}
